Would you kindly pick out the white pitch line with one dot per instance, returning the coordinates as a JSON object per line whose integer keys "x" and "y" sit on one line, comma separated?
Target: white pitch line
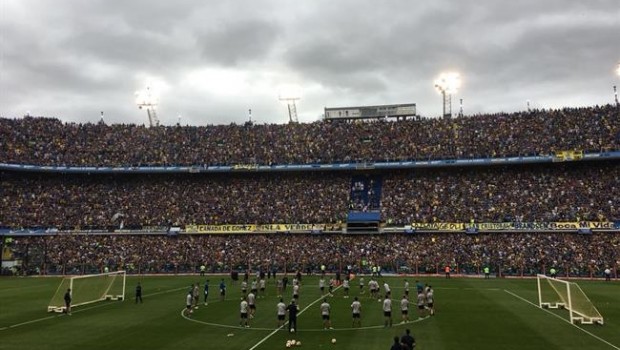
{"x": 80, "y": 310}
{"x": 279, "y": 328}
{"x": 563, "y": 319}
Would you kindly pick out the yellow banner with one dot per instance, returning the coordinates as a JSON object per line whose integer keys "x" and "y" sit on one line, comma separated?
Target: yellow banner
{"x": 442, "y": 226}
{"x": 519, "y": 226}
{"x": 253, "y": 228}
{"x": 569, "y": 155}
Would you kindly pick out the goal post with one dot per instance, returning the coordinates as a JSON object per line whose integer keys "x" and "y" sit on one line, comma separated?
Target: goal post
{"x": 554, "y": 293}
{"x": 89, "y": 289}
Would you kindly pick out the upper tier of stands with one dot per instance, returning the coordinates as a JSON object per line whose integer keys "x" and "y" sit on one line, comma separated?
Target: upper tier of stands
{"x": 46, "y": 141}
{"x": 556, "y": 192}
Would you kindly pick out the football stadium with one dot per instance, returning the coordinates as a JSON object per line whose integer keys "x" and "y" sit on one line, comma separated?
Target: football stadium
{"x": 376, "y": 226}
{"x": 518, "y": 246}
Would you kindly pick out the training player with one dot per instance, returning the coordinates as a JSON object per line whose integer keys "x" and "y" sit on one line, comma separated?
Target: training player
{"x": 292, "y": 309}
{"x": 322, "y": 285}
{"x": 430, "y": 301}
{"x": 243, "y": 308}
{"x": 222, "y": 290}
{"x": 296, "y": 292}
{"x": 361, "y": 285}
{"x": 281, "y": 307}
{"x": 388, "y": 291}
{"x": 261, "y": 285}
{"x": 254, "y": 287}
{"x": 196, "y": 295}
{"x": 252, "y": 304}
{"x": 244, "y": 287}
{"x": 325, "y": 310}
{"x": 68, "y": 298}
{"x": 356, "y": 308}
{"x": 279, "y": 287}
{"x": 345, "y": 286}
{"x": 387, "y": 311}
{"x": 139, "y": 293}
{"x": 421, "y": 304}
{"x": 404, "y": 309}
{"x": 188, "y": 304}
{"x": 407, "y": 288}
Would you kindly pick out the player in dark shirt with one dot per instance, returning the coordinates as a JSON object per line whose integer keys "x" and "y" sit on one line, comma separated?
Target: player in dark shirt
{"x": 139, "y": 293}
{"x": 222, "y": 290}
{"x": 68, "y": 302}
{"x": 292, "y": 309}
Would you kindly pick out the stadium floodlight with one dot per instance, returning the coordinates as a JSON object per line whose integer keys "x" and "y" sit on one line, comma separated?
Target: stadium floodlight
{"x": 447, "y": 84}
{"x": 148, "y": 99}
{"x": 289, "y": 94}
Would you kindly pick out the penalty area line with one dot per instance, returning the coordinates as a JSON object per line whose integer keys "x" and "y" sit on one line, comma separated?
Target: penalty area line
{"x": 563, "y": 319}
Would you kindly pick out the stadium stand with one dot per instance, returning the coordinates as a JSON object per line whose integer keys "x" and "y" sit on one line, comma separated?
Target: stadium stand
{"x": 55, "y": 222}
{"x": 45, "y": 141}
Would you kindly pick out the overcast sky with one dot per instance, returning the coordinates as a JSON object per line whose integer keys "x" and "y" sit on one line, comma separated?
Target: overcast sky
{"x": 211, "y": 61}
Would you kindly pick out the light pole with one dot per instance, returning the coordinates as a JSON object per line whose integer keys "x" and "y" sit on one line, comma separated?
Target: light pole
{"x": 289, "y": 94}
{"x": 447, "y": 84}
{"x": 148, "y": 99}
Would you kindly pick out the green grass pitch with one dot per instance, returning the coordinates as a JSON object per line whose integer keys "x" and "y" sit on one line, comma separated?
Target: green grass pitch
{"x": 471, "y": 313}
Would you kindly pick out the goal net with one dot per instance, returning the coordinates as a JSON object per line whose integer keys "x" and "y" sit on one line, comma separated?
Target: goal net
{"x": 557, "y": 294}
{"x": 89, "y": 289}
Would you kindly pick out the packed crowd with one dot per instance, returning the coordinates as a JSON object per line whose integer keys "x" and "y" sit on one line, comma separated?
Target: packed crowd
{"x": 584, "y": 192}
{"x": 46, "y": 141}
{"x": 161, "y": 200}
{"x": 507, "y": 254}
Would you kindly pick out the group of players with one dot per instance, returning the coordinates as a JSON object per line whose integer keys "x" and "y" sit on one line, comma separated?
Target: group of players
{"x": 247, "y": 306}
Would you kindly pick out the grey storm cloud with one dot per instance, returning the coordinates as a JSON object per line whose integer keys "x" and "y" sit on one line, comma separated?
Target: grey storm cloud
{"x": 215, "y": 60}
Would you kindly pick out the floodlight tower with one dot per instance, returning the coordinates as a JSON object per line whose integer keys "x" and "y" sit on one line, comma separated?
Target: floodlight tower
{"x": 448, "y": 84}
{"x": 289, "y": 95}
{"x": 615, "y": 89}
{"x": 148, "y": 100}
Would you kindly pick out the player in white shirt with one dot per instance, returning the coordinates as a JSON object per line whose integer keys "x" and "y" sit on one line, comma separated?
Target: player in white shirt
{"x": 252, "y": 304}
{"x": 296, "y": 292}
{"x": 325, "y": 311}
{"x": 188, "y": 303}
{"x": 345, "y": 286}
{"x": 387, "y": 311}
{"x": 430, "y": 301}
{"x": 243, "y": 308}
{"x": 361, "y": 285}
{"x": 281, "y": 307}
{"x": 261, "y": 285}
{"x": 404, "y": 309}
{"x": 356, "y": 308}
{"x": 407, "y": 288}
{"x": 254, "y": 287}
{"x": 322, "y": 285}
{"x": 244, "y": 287}
{"x": 387, "y": 289}
{"x": 421, "y": 304}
